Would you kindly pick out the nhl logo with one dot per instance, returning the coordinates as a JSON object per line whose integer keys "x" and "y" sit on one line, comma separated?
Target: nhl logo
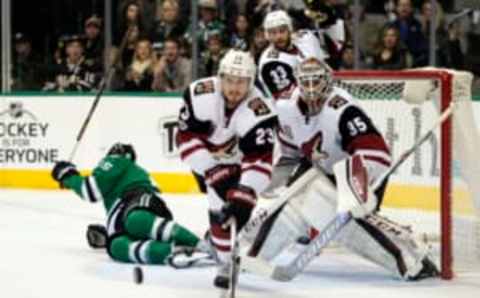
{"x": 16, "y": 111}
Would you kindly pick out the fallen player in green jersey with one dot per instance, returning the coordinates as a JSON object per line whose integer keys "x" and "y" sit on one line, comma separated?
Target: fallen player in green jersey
{"x": 140, "y": 227}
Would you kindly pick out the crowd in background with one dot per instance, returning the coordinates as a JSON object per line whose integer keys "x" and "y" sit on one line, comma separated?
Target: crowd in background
{"x": 152, "y": 43}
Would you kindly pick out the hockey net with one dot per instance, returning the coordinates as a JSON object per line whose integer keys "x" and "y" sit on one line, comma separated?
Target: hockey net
{"x": 436, "y": 191}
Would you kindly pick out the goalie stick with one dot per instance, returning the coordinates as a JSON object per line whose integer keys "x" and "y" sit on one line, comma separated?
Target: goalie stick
{"x": 318, "y": 243}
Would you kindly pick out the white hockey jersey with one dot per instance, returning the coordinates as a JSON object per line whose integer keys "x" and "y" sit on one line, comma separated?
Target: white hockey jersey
{"x": 276, "y": 68}
{"x": 342, "y": 128}
{"x": 209, "y": 134}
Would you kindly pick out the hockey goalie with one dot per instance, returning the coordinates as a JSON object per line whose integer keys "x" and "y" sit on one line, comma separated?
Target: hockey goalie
{"x": 333, "y": 134}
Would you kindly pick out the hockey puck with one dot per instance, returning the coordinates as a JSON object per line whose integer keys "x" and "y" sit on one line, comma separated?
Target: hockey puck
{"x": 137, "y": 275}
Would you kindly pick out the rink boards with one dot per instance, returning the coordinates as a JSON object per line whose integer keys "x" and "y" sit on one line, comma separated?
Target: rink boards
{"x": 35, "y": 131}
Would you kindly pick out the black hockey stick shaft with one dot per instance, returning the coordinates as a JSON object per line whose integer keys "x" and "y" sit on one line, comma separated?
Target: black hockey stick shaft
{"x": 234, "y": 257}
{"x": 103, "y": 84}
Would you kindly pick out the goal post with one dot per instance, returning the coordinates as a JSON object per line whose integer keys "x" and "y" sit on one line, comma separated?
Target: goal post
{"x": 402, "y": 103}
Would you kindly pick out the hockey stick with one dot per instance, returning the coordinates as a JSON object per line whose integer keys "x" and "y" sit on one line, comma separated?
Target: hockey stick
{"x": 288, "y": 272}
{"x": 298, "y": 264}
{"x": 234, "y": 258}
{"x": 263, "y": 214}
{"x": 103, "y": 84}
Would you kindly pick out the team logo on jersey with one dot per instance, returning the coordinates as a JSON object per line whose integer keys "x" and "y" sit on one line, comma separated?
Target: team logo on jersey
{"x": 226, "y": 150}
{"x": 273, "y": 54}
{"x": 313, "y": 148}
{"x": 258, "y": 107}
{"x": 287, "y": 131}
{"x": 204, "y": 87}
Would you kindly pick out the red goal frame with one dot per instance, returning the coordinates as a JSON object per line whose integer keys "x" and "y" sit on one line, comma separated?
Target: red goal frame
{"x": 445, "y": 79}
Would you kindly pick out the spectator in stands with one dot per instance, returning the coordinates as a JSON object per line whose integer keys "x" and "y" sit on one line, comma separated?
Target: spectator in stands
{"x": 411, "y": 32}
{"x": 94, "y": 44}
{"x": 426, "y": 16}
{"x": 208, "y": 21}
{"x": 240, "y": 37}
{"x": 139, "y": 75}
{"x": 73, "y": 74}
{"x": 390, "y": 53}
{"x": 147, "y": 10}
{"x": 210, "y": 58}
{"x": 347, "y": 58}
{"x": 450, "y": 54}
{"x": 173, "y": 72}
{"x": 131, "y": 28}
{"x": 170, "y": 23}
{"x": 369, "y": 26}
{"x": 26, "y": 67}
{"x": 258, "y": 44}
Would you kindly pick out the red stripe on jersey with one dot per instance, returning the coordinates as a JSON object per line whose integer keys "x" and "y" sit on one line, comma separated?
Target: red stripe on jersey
{"x": 265, "y": 157}
{"x": 222, "y": 248}
{"x": 186, "y": 153}
{"x": 258, "y": 169}
{"x": 221, "y": 234}
{"x": 368, "y": 142}
{"x": 183, "y": 137}
{"x": 378, "y": 159}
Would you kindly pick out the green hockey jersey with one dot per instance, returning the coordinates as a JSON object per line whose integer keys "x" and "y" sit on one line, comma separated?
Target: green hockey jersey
{"x": 113, "y": 176}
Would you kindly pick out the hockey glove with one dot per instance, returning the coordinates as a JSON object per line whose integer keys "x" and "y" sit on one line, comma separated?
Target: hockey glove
{"x": 221, "y": 178}
{"x": 96, "y": 236}
{"x": 63, "y": 170}
{"x": 240, "y": 202}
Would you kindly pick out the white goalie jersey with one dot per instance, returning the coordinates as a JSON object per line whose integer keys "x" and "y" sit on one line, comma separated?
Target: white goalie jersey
{"x": 341, "y": 129}
{"x": 276, "y": 67}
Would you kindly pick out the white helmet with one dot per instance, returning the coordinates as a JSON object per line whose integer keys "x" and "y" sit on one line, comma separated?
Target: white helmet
{"x": 314, "y": 78}
{"x": 238, "y": 63}
{"x": 276, "y": 19}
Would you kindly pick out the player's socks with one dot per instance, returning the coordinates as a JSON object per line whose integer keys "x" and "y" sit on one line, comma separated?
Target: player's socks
{"x": 125, "y": 249}
{"x": 144, "y": 224}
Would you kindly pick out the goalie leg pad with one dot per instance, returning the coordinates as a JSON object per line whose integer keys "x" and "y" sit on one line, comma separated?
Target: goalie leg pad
{"x": 387, "y": 244}
{"x": 309, "y": 211}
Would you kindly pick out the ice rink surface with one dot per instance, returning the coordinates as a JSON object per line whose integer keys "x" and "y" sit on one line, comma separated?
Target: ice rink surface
{"x": 44, "y": 254}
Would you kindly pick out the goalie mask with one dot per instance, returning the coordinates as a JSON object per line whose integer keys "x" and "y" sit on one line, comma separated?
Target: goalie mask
{"x": 125, "y": 150}
{"x": 237, "y": 75}
{"x": 314, "y": 79}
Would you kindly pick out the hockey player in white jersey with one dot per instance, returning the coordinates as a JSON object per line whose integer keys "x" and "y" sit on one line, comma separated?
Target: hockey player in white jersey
{"x": 326, "y": 125}
{"x": 226, "y": 135}
{"x": 287, "y": 49}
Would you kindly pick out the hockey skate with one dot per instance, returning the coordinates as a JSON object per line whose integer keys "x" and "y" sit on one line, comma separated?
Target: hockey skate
{"x": 185, "y": 256}
{"x": 222, "y": 279}
{"x": 428, "y": 270}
